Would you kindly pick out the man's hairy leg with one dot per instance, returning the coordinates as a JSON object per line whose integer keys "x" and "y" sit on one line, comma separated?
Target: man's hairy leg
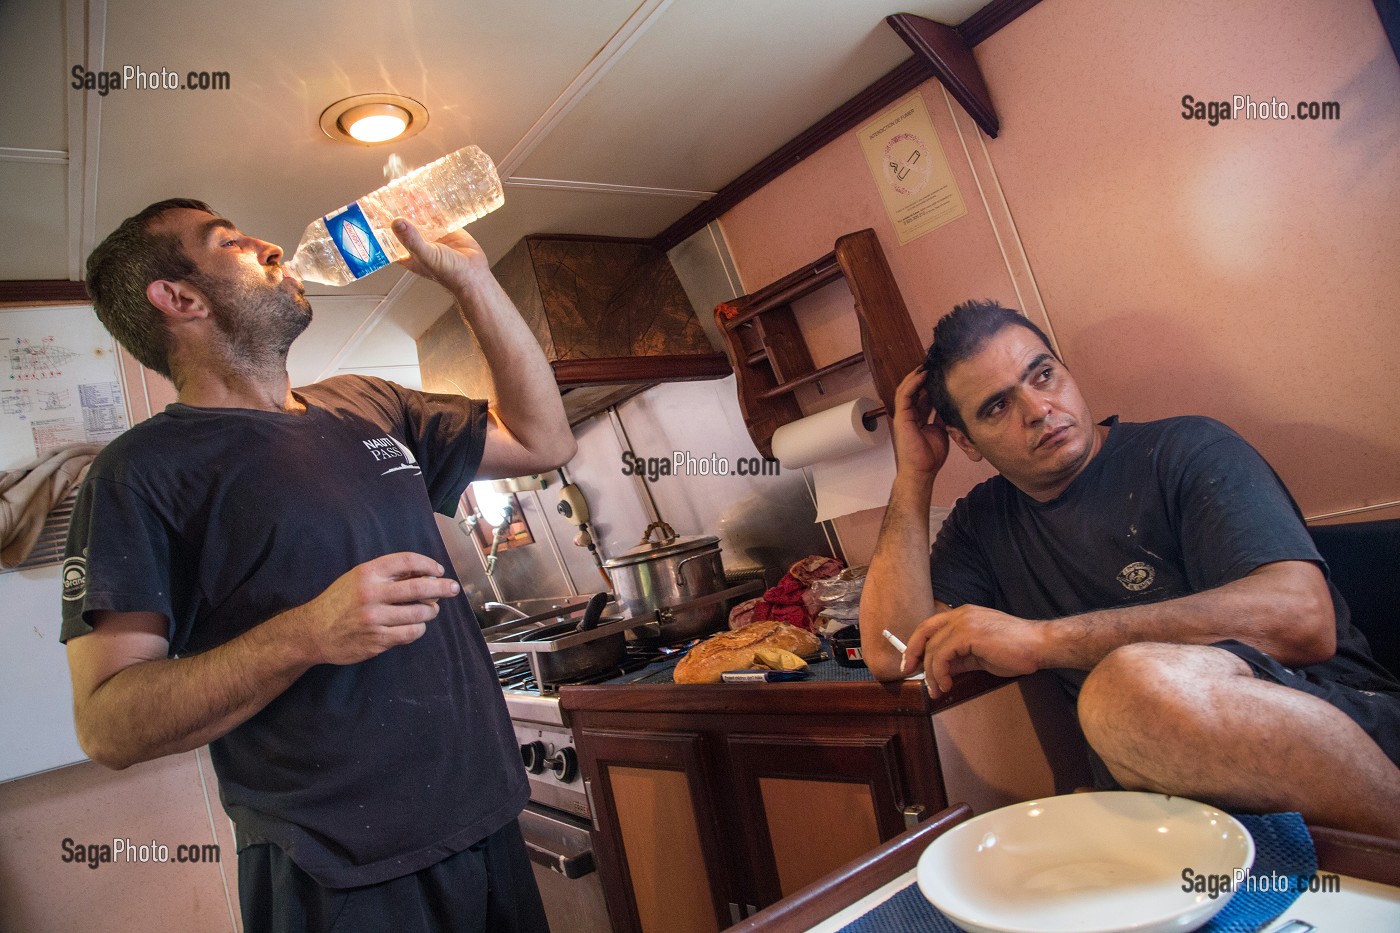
{"x": 1193, "y": 721}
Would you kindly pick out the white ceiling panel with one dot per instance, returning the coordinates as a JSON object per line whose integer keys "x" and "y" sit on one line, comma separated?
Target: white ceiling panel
{"x": 393, "y": 346}
{"x": 32, "y": 216}
{"x": 334, "y": 321}
{"x": 484, "y": 70}
{"x": 714, "y": 86}
{"x": 550, "y": 210}
{"x": 680, "y": 94}
{"x": 33, "y": 76}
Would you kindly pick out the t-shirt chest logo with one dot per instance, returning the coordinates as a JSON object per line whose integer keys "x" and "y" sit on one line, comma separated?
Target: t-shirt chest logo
{"x": 1137, "y": 576}
{"x": 392, "y": 453}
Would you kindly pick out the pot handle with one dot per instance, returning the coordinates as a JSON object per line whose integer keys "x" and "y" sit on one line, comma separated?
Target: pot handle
{"x": 668, "y": 534}
{"x": 743, "y": 590}
{"x": 593, "y": 612}
{"x": 680, "y": 582}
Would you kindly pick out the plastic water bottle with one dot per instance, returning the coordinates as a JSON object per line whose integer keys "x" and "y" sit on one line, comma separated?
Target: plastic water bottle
{"x": 442, "y": 196}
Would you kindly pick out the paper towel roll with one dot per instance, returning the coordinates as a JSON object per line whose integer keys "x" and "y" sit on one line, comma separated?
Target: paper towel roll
{"x": 827, "y": 435}
{"x": 852, "y": 467}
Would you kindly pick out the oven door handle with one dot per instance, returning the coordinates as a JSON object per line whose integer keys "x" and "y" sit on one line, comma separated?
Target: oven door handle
{"x": 570, "y": 866}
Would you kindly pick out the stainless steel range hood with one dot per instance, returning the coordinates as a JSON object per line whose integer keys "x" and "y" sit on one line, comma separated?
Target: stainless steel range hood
{"x": 610, "y": 315}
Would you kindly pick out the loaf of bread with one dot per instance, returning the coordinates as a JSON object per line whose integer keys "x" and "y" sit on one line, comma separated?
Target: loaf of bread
{"x": 736, "y": 650}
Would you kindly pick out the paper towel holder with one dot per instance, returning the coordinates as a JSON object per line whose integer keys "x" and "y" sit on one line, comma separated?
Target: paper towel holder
{"x": 770, "y": 357}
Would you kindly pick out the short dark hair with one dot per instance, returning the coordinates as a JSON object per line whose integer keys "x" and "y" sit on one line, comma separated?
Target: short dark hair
{"x": 961, "y": 334}
{"x": 118, "y": 271}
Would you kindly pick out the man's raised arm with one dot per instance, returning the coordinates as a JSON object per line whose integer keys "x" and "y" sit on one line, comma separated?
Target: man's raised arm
{"x": 898, "y": 593}
{"x": 528, "y": 432}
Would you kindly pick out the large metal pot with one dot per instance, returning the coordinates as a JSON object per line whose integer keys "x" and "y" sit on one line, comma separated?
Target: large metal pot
{"x": 670, "y": 571}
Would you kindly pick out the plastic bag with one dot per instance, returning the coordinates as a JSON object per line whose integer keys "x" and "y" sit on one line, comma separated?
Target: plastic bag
{"x": 839, "y": 596}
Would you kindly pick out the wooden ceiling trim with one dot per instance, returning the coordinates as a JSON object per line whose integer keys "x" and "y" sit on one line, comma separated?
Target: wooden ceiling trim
{"x": 949, "y": 58}
{"x": 42, "y": 291}
{"x": 990, "y": 18}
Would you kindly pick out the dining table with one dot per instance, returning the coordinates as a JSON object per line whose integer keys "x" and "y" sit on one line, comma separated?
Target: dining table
{"x": 865, "y": 896}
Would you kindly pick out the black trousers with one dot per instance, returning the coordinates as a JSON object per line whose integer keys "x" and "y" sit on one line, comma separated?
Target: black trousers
{"x": 487, "y": 888}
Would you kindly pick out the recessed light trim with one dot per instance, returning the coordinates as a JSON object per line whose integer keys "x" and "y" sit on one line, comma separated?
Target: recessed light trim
{"x": 338, "y": 120}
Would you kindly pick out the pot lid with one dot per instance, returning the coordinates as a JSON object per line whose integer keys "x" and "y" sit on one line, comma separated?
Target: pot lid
{"x": 652, "y": 550}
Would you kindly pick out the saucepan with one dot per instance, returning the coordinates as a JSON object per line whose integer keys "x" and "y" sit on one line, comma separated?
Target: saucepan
{"x": 665, "y": 571}
{"x": 580, "y": 657}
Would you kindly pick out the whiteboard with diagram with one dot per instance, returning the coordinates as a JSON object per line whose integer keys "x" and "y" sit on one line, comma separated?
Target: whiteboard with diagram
{"x": 60, "y": 382}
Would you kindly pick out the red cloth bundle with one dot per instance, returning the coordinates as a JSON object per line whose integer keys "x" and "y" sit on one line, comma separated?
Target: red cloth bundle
{"x": 790, "y": 600}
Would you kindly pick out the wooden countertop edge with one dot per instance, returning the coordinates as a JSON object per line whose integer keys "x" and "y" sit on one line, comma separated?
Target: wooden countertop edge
{"x": 849, "y": 883}
{"x": 824, "y": 698}
{"x": 1360, "y": 856}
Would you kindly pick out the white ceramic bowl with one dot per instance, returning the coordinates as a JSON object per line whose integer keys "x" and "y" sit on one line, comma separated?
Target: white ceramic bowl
{"x": 1085, "y": 863}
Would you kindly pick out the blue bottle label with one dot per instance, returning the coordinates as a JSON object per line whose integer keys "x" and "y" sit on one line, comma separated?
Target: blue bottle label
{"x": 352, "y": 236}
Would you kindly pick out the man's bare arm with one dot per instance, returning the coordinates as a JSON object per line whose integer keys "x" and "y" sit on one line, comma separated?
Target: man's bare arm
{"x": 898, "y": 593}
{"x": 529, "y": 431}
{"x": 132, "y": 703}
{"x": 1284, "y": 609}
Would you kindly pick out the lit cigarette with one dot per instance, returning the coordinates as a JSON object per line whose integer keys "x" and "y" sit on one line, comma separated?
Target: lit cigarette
{"x": 901, "y": 647}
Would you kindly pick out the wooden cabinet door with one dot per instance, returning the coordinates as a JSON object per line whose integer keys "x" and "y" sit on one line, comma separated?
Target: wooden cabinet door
{"x": 810, "y": 803}
{"x": 660, "y": 848}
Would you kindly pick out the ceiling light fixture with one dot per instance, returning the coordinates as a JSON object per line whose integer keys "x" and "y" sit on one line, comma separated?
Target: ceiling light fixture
{"x": 370, "y": 119}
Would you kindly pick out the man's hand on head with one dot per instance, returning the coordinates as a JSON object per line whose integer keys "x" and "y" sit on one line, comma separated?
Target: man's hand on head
{"x": 973, "y": 638}
{"x": 919, "y": 445}
{"x": 451, "y": 261}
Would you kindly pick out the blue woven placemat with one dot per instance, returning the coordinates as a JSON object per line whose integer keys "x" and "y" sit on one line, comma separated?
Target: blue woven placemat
{"x": 1282, "y": 847}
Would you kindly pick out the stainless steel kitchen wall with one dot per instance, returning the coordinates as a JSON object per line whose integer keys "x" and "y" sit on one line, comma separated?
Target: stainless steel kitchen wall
{"x": 762, "y": 521}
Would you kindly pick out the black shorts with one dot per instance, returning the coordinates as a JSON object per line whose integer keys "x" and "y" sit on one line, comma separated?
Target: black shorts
{"x": 1377, "y": 712}
{"x": 485, "y": 888}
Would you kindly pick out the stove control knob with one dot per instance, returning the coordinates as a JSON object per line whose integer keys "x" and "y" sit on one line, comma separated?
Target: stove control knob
{"x": 533, "y": 756}
{"x": 564, "y": 764}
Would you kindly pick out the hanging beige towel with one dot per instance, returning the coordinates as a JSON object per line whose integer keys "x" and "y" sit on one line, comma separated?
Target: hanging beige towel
{"x": 28, "y": 493}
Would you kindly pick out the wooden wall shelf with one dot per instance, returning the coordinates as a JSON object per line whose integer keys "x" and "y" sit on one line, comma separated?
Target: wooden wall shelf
{"x": 770, "y": 357}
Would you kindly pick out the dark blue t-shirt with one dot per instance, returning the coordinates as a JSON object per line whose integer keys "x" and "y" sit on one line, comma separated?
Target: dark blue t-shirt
{"x": 1166, "y": 509}
{"x": 221, "y": 518}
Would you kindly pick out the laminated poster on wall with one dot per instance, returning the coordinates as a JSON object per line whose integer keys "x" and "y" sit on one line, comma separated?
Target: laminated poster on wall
{"x": 60, "y": 382}
{"x": 910, "y": 169}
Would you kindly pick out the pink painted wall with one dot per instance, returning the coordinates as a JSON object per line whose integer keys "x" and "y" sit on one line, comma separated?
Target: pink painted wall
{"x": 1246, "y": 271}
{"x": 171, "y": 801}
